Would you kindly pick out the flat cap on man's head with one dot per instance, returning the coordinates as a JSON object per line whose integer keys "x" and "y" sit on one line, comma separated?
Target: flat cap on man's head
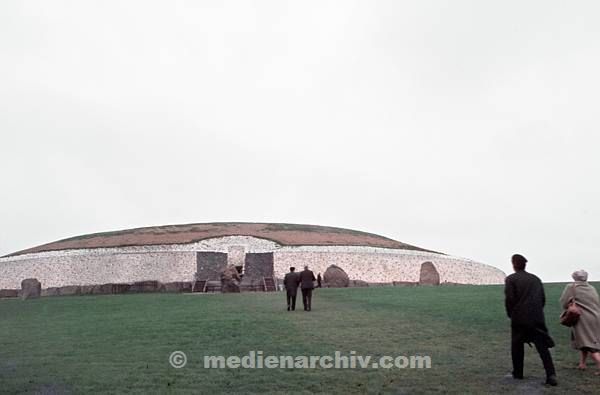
{"x": 519, "y": 261}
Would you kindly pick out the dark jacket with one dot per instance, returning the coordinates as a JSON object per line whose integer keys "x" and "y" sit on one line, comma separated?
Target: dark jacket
{"x": 291, "y": 281}
{"x": 525, "y": 301}
{"x": 307, "y": 278}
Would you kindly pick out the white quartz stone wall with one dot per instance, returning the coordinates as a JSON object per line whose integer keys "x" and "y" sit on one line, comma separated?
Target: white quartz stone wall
{"x": 58, "y": 271}
{"x": 167, "y": 263}
{"x": 387, "y": 267}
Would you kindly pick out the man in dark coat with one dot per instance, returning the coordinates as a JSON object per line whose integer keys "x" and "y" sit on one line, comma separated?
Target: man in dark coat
{"x": 307, "y": 278}
{"x": 291, "y": 281}
{"x": 525, "y": 301}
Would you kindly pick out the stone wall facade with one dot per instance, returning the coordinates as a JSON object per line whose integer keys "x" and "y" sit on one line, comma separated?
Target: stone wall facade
{"x": 388, "y": 267}
{"x": 168, "y": 263}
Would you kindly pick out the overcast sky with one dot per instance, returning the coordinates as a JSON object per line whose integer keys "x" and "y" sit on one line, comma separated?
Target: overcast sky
{"x": 468, "y": 127}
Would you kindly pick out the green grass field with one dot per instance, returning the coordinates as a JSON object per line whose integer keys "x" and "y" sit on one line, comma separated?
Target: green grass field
{"x": 122, "y": 343}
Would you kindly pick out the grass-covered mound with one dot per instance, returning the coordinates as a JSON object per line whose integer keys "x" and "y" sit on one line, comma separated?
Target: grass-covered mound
{"x": 284, "y": 234}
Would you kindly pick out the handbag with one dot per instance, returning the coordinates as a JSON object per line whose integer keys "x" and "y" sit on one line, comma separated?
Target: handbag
{"x": 571, "y": 315}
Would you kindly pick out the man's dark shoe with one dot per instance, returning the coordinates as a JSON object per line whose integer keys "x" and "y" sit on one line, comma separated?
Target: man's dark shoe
{"x": 551, "y": 380}
{"x": 517, "y": 376}
{"x": 288, "y": 308}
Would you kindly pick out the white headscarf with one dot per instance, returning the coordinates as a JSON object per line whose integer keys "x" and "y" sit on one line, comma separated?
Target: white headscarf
{"x": 580, "y": 275}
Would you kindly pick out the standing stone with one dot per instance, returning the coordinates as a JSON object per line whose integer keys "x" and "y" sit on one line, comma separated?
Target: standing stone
{"x": 429, "y": 274}
{"x": 31, "y": 288}
{"x": 230, "y": 280}
{"x": 336, "y": 277}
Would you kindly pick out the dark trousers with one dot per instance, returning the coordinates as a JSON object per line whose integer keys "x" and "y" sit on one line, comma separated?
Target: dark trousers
{"x": 291, "y": 299}
{"x": 307, "y": 298}
{"x": 520, "y": 336}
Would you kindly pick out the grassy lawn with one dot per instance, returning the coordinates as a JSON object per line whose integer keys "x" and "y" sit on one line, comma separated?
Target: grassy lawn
{"x": 122, "y": 343}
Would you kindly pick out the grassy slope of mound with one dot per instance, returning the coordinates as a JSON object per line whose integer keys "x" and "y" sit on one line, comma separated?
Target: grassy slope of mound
{"x": 122, "y": 343}
{"x": 284, "y": 234}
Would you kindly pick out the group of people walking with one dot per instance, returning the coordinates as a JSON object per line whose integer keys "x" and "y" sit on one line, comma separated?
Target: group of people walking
{"x": 306, "y": 281}
{"x": 525, "y": 300}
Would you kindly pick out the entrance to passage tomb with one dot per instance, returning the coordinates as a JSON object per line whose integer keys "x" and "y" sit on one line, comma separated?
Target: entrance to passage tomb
{"x": 255, "y": 268}
{"x": 236, "y": 256}
{"x": 429, "y": 274}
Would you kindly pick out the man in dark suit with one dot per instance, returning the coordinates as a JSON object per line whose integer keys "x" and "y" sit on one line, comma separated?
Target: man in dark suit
{"x": 525, "y": 301}
{"x": 307, "y": 284}
{"x": 291, "y": 281}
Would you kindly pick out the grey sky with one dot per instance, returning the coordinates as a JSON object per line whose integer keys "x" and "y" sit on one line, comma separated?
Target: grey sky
{"x": 468, "y": 127}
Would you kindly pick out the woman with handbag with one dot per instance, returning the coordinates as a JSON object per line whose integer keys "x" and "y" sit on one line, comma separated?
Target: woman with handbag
{"x": 585, "y": 333}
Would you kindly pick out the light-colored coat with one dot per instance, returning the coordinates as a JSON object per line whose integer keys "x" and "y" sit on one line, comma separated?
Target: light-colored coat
{"x": 586, "y": 333}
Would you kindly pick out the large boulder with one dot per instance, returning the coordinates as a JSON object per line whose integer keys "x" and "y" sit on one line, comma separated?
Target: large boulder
{"x": 31, "y": 288}
{"x": 230, "y": 280}
{"x": 429, "y": 274}
{"x": 336, "y": 277}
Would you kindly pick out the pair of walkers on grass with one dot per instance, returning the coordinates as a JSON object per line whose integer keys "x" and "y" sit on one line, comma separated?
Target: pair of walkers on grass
{"x": 525, "y": 301}
{"x": 306, "y": 281}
